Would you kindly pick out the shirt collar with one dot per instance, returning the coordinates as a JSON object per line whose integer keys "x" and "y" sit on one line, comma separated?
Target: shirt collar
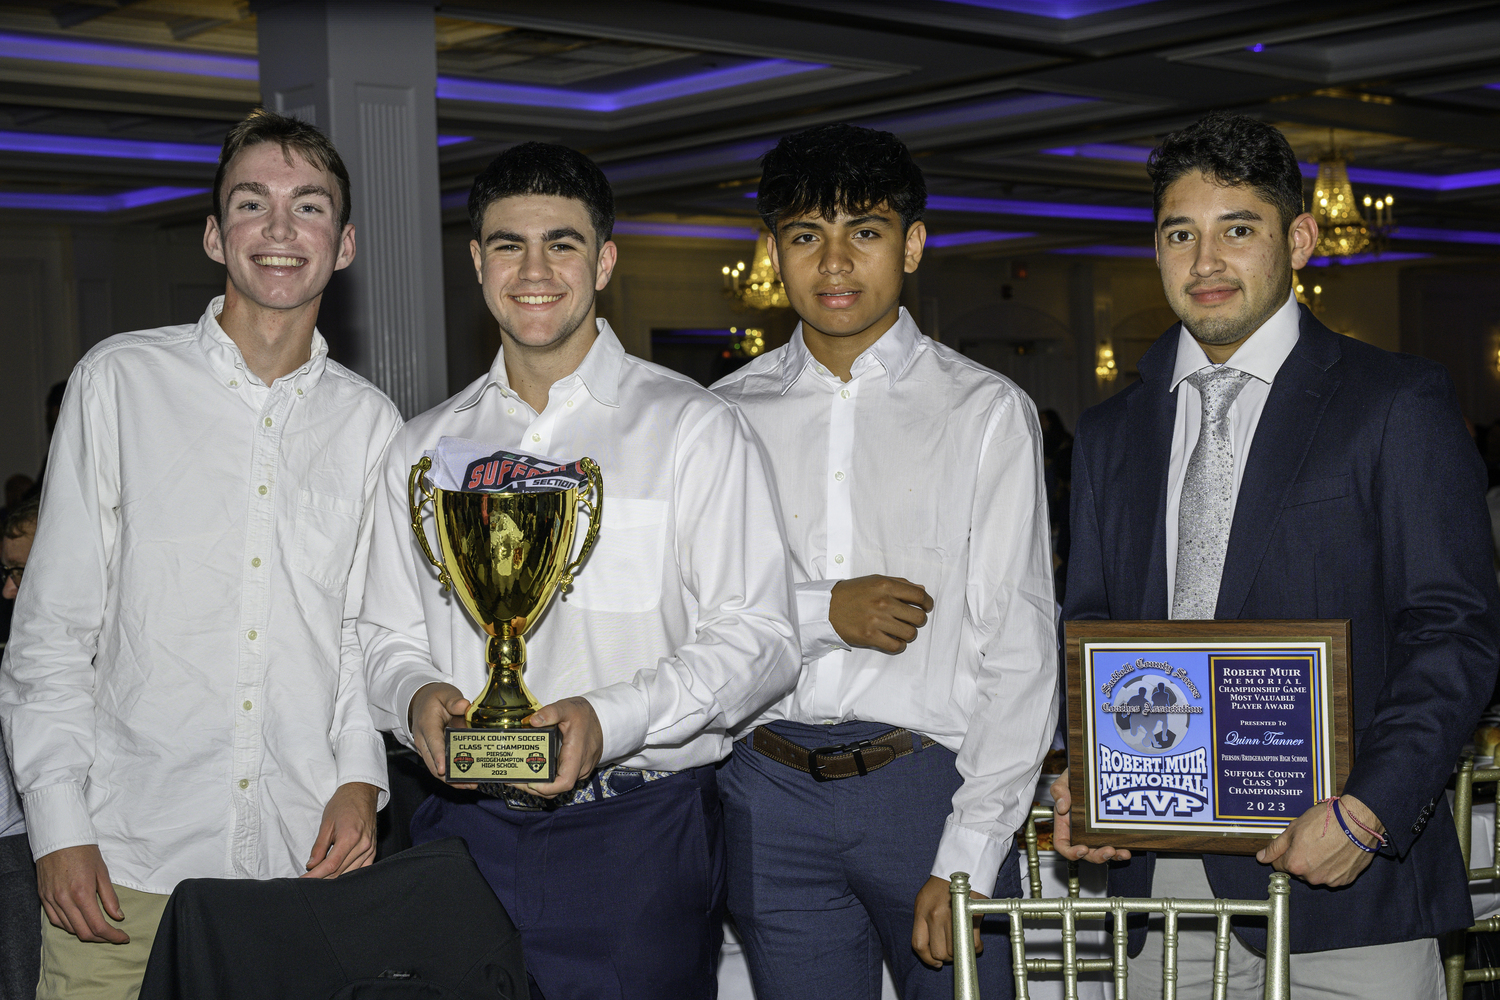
{"x": 599, "y": 371}
{"x": 894, "y": 352}
{"x": 1260, "y": 356}
{"x": 228, "y": 363}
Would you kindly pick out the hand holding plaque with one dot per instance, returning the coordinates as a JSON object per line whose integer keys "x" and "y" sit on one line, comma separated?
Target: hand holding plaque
{"x": 504, "y": 540}
{"x": 1206, "y": 736}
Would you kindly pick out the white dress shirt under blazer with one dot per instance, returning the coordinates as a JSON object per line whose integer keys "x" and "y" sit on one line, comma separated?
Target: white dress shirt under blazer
{"x": 183, "y": 684}
{"x": 1261, "y": 356}
{"x": 927, "y": 466}
{"x": 677, "y": 628}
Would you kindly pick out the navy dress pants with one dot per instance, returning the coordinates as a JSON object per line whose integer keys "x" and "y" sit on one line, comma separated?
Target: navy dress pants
{"x": 20, "y": 919}
{"x": 617, "y": 899}
{"x": 823, "y": 876}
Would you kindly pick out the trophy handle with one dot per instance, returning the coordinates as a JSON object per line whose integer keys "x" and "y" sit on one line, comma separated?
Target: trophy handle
{"x": 592, "y": 501}
{"x": 413, "y": 486}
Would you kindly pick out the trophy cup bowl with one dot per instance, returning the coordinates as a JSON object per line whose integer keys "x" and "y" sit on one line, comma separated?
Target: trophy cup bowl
{"x": 504, "y": 555}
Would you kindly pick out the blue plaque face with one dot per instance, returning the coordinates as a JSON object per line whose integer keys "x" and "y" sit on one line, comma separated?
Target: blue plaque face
{"x": 1204, "y": 739}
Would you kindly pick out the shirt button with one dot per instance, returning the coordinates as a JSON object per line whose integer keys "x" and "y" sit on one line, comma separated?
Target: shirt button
{"x": 244, "y": 782}
{"x": 252, "y": 633}
{"x": 268, "y": 421}
{"x": 248, "y": 705}
{"x": 570, "y": 402}
{"x": 234, "y": 383}
{"x": 839, "y": 476}
{"x": 299, "y": 392}
{"x": 262, "y": 491}
{"x": 255, "y": 562}
{"x": 536, "y": 437}
{"x": 843, "y": 393}
{"x": 511, "y": 410}
{"x": 838, "y": 559}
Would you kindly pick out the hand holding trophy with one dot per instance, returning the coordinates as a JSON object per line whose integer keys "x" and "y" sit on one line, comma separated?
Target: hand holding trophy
{"x": 503, "y": 543}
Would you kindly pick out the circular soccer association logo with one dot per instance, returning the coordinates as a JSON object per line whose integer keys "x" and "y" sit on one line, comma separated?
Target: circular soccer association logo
{"x": 1144, "y": 713}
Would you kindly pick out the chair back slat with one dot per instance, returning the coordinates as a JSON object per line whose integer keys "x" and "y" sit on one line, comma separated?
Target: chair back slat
{"x": 1221, "y": 957}
{"x": 1463, "y": 819}
{"x": 1169, "y": 951}
{"x": 1275, "y": 908}
{"x": 1121, "y": 942}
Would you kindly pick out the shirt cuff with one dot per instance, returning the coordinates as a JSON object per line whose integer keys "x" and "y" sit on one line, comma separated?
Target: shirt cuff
{"x": 624, "y": 716}
{"x": 406, "y": 690}
{"x": 966, "y": 850}
{"x": 361, "y": 757}
{"x": 57, "y": 817}
{"x": 817, "y": 632}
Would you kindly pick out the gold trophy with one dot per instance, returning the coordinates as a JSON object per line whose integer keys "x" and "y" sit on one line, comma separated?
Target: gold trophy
{"x": 505, "y": 554}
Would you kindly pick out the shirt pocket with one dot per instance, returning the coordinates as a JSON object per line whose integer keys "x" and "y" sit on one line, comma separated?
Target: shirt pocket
{"x": 327, "y": 530}
{"x": 624, "y": 572}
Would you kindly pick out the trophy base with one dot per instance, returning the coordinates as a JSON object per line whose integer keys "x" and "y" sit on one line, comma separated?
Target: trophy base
{"x": 519, "y": 756}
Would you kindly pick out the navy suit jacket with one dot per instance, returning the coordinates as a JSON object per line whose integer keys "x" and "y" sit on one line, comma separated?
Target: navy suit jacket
{"x": 1362, "y": 498}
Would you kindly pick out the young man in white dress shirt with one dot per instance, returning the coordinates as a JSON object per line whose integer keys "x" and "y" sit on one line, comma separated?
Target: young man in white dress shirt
{"x": 182, "y": 695}
{"x": 678, "y": 628}
{"x": 911, "y": 488}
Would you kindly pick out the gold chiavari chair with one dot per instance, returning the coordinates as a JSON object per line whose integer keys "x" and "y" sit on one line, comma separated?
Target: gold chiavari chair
{"x": 1463, "y": 819}
{"x": 1070, "y": 909}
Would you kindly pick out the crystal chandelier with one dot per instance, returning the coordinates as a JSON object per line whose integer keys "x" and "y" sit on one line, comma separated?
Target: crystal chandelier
{"x": 759, "y": 288}
{"x": 1342, "y": 230}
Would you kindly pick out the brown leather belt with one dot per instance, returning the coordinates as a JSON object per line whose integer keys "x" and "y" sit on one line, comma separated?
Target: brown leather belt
{"x": 847, "y": 760}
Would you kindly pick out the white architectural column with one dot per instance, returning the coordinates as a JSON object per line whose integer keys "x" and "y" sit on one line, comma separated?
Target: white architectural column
{"x": 365, "y": 72}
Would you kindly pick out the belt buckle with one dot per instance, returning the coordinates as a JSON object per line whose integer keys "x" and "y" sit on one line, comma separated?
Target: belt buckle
{"x": 857, "y": 749}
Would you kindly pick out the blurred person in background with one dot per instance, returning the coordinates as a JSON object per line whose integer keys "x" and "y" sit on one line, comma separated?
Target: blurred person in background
{"x": 20, "y": 926}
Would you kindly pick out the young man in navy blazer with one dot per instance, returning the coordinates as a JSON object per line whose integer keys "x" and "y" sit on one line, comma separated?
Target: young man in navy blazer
{"x": 1353, "y": 491}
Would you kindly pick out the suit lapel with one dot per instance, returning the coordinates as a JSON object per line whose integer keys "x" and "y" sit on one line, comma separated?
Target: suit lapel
{"x": 1288, "y": 423}
{"x": 1152, "y": 413}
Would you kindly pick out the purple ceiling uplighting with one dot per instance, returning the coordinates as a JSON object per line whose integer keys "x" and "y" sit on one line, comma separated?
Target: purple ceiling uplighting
{"x": 131, "y": 149}
{"x": 973, "y": 113}
{"x": 120, "y": 149}
{"x": 1445, "y": 235}
{"x": 1365, "y": 258}
{"x": 1058, "y": 10}
{"x": 43, "y": 201}
{"x": 684, "y": 229}
{"x": 1360, "y": 175}
{"x": 1042, "y": 209}
{"x": 490, "y": 92}
{"x": 61, "y": 50}
{"x": 973, "y": 236}
{"x": 1109, "y": 251}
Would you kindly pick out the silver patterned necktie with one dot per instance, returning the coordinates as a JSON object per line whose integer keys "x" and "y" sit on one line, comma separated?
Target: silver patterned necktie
{"x": 1207, "y": 503}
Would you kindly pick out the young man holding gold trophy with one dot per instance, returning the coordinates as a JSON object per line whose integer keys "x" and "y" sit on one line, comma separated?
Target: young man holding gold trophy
{"x": 182, "y": 696}
{"x": 677, "y": 627}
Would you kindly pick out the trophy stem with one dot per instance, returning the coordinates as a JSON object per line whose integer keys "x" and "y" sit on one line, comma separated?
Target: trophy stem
{"x": 505, "y": 701}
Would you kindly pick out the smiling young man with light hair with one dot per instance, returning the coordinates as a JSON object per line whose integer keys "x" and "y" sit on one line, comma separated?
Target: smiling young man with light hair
{"x": 677, "y": 628}
{"x": 1266, "y": 467}
{"x": 183, "y": 694}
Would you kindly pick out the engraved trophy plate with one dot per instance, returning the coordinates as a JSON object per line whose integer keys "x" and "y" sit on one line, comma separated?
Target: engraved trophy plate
{"x": 505, "y": 555}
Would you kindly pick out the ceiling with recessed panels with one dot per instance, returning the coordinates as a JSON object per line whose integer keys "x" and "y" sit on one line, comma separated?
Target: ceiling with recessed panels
{"x": 1031, "y": 118}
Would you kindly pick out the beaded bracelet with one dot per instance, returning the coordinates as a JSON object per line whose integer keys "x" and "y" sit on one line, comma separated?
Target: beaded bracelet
{"x": 1338, "y": 814}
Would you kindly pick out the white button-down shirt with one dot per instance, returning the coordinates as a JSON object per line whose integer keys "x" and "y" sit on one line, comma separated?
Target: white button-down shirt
{"x": 927, "y": 466}
{"x": 678, "y": 627}
{"x": 1261, "y": 356}
{"x": 183, "y": 684}
{"x": 12, "y": 819}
